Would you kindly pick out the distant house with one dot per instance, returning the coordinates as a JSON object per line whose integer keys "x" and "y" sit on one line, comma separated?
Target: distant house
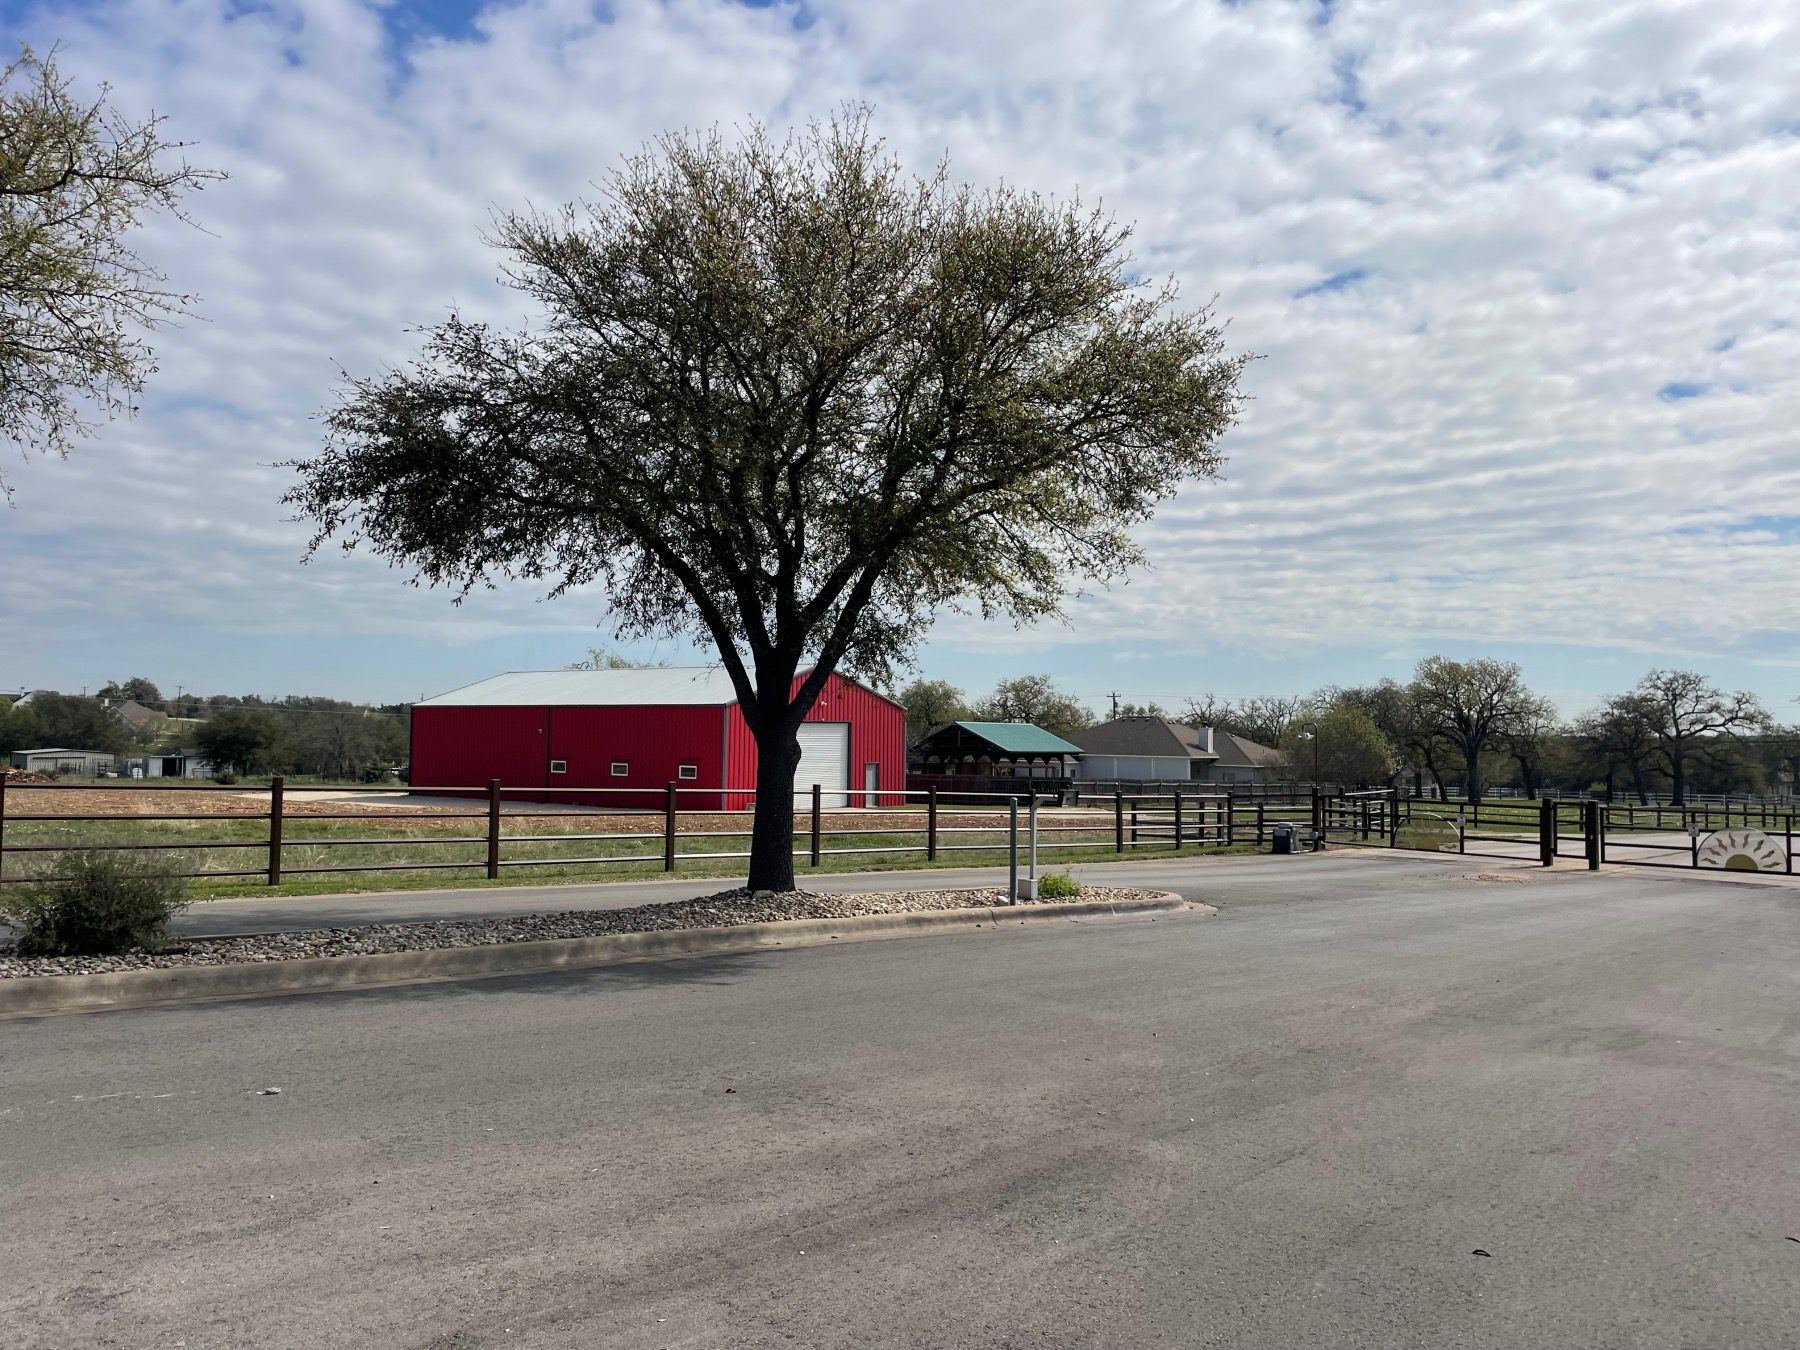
{"x": 1157, "y": 750}
{"x": 146, "y": 722}
{"x": 994, "y": 750}
{"x": 60, "y": 759}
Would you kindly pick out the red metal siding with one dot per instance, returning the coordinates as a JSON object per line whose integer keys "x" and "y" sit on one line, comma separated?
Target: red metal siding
{"x": 654, "y": 742}
{"x": 465, "y": 747}
{"x": 877, "y": 736}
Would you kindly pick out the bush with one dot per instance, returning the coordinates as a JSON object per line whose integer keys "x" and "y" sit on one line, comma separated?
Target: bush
{"x": 103, "y": 904}
{"x": 225, "y": 776}
{"x": 1058, "y": 886}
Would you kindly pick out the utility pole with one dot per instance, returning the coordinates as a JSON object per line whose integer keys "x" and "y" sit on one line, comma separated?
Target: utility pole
{"x": 1115, "y": 706}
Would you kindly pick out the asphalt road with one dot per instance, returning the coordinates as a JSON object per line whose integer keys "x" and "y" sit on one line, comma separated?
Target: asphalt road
{"x": 1372, "y": 1103}
{"x": 1195, "y": 878}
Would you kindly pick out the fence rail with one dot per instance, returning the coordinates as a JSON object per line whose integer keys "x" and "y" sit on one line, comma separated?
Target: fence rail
{"x": 483, "y": 837}
{"x": 514, "y": 829}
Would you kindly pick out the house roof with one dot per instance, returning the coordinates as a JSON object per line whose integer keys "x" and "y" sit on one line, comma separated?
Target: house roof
{"x": 691, "y": 686}
{"x": 1240, "y": 752}
{"x": 1019, "y": 738}
{"x": 1143, "y": 736}
{"x": 60, "y": 750}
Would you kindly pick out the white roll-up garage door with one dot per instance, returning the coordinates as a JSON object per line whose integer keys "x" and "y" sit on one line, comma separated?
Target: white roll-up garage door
{"x": 825, "y": 760}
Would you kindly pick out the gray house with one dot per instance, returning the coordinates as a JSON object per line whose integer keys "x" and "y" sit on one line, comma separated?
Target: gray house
{"x": 1157, "y": 750}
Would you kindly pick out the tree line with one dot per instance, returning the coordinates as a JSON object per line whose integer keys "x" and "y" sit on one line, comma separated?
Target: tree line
{"x": 1457, "y": 726}
{"x": 237, "y": 734}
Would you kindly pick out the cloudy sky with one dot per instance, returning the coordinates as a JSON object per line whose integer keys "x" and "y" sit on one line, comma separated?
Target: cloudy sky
{"x": 1524, "y": 278}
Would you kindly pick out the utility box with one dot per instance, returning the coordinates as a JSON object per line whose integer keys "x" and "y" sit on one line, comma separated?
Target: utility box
{"x": 1028, "y": 889}
{"x": 1282, "y": 840}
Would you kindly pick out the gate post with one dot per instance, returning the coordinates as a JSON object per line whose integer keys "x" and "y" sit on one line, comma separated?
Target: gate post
{"x": 931, "y": 824}
{"x": 1547, "y": 832}
{"x": 1118, "y": 822}
{"x": 669, "y": 829}
{"x": 1590, "y": 833}
{"x": 2, "y": 823}
{"x": 1178, "y": 820}
{"x": 817, "y": 802}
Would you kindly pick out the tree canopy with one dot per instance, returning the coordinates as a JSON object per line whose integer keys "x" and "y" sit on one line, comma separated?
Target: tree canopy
{"x": 789, "y": 399}
{"x": 1034, "y": 699}
{"x": 77, "y": 177}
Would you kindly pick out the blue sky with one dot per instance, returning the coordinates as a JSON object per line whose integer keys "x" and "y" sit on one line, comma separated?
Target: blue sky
{"x": 1523, "y": 278}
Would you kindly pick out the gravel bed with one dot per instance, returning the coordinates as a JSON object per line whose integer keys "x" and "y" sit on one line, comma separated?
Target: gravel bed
{"x": 711, "y": 911}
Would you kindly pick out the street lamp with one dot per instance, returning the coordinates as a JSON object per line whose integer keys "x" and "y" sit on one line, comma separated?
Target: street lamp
{"x": 1312, "y": 730}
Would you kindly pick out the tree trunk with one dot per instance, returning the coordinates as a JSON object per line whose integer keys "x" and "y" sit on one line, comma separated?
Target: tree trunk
{"x": 1677, "y": 781}
{"x": 1474, "y": 783}
{"x": 772, "y": 830}
{"x": 1611, "y": 774}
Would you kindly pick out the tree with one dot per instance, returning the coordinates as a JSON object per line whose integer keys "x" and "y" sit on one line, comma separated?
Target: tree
{"x": 1351, "y": 748}
{"x": 18, "y": 731}
{"x": 76, "y": 179}
{"x": 1616, "y": 737}
{"x": 1034, "y": 699}
{"x": 137, "y": 688}
{"x": 67, "y": 721}
{"x": 1262, "y": 718}
{"x": 789, "y": 400}
{"x": 1686, "y": 715}
{"x": 1527, "y": 736}
{"x": 599, "y": 658}
{"x": 240, "y": 740}
{"x": 1150, "y": 709}
{"x": 1471, "y": 705}
{"x": 930, "y": 703}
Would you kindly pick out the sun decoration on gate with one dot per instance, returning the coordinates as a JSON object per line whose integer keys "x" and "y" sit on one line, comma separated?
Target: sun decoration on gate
{"x": 1742, "y": 851}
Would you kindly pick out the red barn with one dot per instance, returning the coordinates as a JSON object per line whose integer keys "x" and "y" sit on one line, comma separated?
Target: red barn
{"x": 644, "y": 729}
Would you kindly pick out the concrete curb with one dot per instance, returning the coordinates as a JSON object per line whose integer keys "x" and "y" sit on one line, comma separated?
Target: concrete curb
{"x": 33, "y": 996}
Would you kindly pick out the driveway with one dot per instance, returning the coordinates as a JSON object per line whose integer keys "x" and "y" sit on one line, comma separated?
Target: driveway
{"x": 1372, "y": 1103}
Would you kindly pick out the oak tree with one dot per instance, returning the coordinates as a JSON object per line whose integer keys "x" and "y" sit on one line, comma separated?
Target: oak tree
{"x": 789, "y": 399}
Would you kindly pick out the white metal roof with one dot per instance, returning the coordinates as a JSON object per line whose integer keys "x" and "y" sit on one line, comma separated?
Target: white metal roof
{"x": 698, "y": 686}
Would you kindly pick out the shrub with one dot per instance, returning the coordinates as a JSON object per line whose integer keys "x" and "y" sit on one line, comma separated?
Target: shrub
{"x": 1058, "y": 886}
{"x": 104, "y": 903}
{"x": 225, "y": 776}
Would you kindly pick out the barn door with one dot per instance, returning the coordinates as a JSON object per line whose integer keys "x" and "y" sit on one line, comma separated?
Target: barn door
{"x": 825, "y": 760}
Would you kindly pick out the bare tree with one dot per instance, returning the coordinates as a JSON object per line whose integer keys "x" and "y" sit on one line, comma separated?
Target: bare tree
{"x": 76, "y": 180}
{"x": 791, "y": 400}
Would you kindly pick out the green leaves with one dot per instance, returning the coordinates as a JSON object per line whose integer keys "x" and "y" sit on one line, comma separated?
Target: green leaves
{"x": 75, "y": 180}
{"x": 789, "y": 398}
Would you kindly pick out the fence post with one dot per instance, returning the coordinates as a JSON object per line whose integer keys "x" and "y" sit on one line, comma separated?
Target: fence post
{"x": 1462, "y": 829}
{"x": 493, "y": 839}
{"x": 931, "y": 824}
{"x": 1590, "y": 833}
{"x": 1394, "y": 820}
{"x": 276, "y": 786}
{"x": 2, "y": 824}
{"x": 1118, "y": 821}
{"x": 1230, "y": 821}
{"x": 1259, "y": 824}
{"x": 818, "y": 799}
{"x": 1012, "y": 852}
{"x": 669, "y": 828}
{"x": 1790, "y": 830}
{"x": 1547, "y": 832}
{"x": 1178, "y": 820}
{"x": 1318, "y": 813}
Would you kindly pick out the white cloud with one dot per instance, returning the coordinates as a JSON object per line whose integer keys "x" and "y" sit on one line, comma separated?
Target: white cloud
{"x": 1555, "y": 210}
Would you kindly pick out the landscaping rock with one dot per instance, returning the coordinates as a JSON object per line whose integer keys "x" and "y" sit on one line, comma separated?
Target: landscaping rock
{"x": 722, "y": 910}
